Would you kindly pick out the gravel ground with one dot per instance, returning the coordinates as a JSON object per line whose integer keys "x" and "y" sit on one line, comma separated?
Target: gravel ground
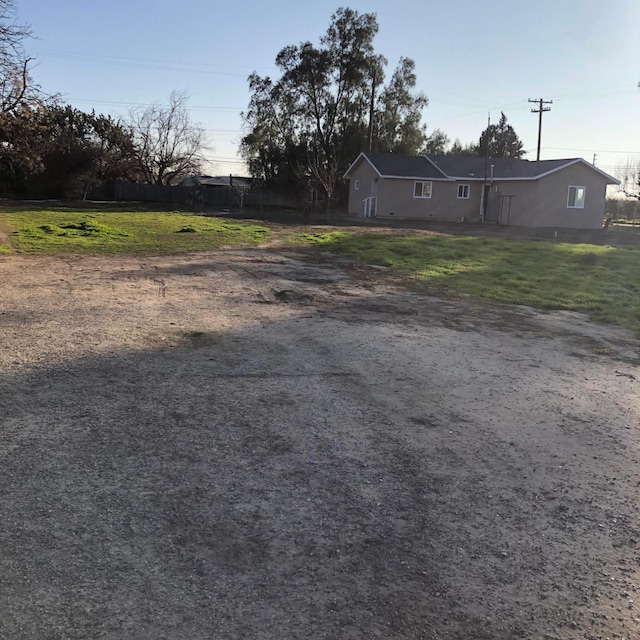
{"x": 246, "y": 444}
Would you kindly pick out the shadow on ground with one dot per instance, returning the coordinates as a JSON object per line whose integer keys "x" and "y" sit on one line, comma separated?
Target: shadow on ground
{"x": 313, "y": 476}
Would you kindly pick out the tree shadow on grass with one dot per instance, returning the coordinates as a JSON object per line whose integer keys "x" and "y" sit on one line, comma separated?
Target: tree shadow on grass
{"x": 597, "y": 280}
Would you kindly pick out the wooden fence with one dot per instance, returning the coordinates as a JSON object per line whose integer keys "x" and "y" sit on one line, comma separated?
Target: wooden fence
{"x": 223, "y": 197}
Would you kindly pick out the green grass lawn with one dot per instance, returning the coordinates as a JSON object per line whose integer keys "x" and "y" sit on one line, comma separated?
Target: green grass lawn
{"x": 601, "y": 281}
{"x": 70, "y": 231}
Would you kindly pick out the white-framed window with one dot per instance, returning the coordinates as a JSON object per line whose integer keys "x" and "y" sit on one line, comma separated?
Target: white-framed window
{"x": 356, "y": 185}
{"x": 463, "y": 191}
{"x": 421, "y": 189}
{"x": 576, "y": 196}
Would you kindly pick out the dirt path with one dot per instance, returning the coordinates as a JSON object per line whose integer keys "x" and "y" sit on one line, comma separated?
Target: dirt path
{"x": 4, "y": 235}
{"x": 243, "y": 444}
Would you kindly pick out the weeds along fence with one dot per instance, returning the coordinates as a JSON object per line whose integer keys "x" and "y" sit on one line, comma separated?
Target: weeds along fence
{"x": 223, "y": 197}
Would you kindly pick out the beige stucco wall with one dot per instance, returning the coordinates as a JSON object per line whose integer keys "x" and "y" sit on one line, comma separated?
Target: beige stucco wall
{"x": 543, "y": 202}
{"x": 395, "y": 197}
{"x": 395, "y": 200}
{"x": 536, "y": 203}
{"x": 524, "y": 202}
{"x": 365, "y": 175}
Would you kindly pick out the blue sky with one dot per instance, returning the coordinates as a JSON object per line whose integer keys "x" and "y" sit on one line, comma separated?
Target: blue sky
{"x": 471, "y": 58}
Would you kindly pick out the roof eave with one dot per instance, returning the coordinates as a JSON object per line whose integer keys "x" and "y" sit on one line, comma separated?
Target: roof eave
{"x": 448, "y": 178}
{"x": 422, "y": 178}
{"x": 611, "y": 179}
{"x": 488, "y": 179}
{"x": 355, "y": 162}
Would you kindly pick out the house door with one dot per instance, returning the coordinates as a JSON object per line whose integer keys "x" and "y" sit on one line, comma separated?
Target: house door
{"x": 373, "y": 199}
{"x": 492, "y": 204}
{"x": 505, "y": 209}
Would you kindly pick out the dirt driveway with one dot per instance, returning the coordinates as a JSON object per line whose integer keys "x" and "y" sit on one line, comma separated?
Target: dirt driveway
{"x": 243, "y": 444}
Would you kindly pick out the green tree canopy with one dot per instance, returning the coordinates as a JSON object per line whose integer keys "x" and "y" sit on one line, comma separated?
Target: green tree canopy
{"x": 306, "y": 127}
{"x": 57, "y": 151}
{"x": 500, "y": 141}
{"x": 458, "y": 149}
{"x": 437, "y": 143}
{"x": 399, "y": 114}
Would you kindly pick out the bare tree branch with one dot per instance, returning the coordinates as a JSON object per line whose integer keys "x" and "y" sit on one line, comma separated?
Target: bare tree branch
{"x": 168, "y": 144}
{"x": 629, "y": 175}
{"x": 16, "y": 84}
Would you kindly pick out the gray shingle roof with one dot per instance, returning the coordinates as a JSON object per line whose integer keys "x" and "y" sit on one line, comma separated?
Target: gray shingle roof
{"x": 396, "y": 164}
{"x": 434, "y": 167}
{"x": 461, "y": 167}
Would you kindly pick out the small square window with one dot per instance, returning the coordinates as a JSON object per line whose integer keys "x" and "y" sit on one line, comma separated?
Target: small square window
{"x": 356, "y": 185}
{"x": 421, "y": 189}
{"x": 576, "y": 197}
{"x": 463, "y": 191}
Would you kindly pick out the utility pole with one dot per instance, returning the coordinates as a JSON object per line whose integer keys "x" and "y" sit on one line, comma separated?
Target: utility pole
{"x": 595, "y": 155}
{"x": 372, "y": 109}
{"x": 540, "y": 110}
{"x": 484, "y": 196}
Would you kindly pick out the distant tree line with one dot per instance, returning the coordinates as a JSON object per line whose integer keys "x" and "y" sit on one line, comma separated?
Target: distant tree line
{"x": 302, "y": 129}
{"x": 50, "y": 149}
{"x": 496, "y": 141}
{"x": 623, "y": 208}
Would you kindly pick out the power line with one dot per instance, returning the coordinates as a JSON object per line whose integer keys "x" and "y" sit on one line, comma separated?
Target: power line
{"x": 594, "y": 95}
{"x": 148, "y": 104}
{"x": 146, "y": 63}
{"x": 591, "y": 150}
{"x": 473, "y": 113}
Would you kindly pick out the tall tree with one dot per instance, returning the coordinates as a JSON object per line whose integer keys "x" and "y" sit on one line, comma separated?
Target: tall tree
{"x": 307, "y": 126}
{"x": 324, "y": 91}
{"x": 500, "y": 141}
{"x": 271, "y": 147}
{"x": 114, "y": 148}
{"x": 400, "y": 112}
{"x": 168, "y": 145}
{"x": 16, "y": 84}
{"x": 437, "y": 143}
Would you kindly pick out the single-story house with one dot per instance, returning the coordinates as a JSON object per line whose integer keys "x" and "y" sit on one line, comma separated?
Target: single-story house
{"x": 546, "y": 193}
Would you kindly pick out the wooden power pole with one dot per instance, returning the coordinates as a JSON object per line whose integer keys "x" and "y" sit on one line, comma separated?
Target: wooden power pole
{"x": 540, "y": 110}
{"x": 372, "y": 109}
